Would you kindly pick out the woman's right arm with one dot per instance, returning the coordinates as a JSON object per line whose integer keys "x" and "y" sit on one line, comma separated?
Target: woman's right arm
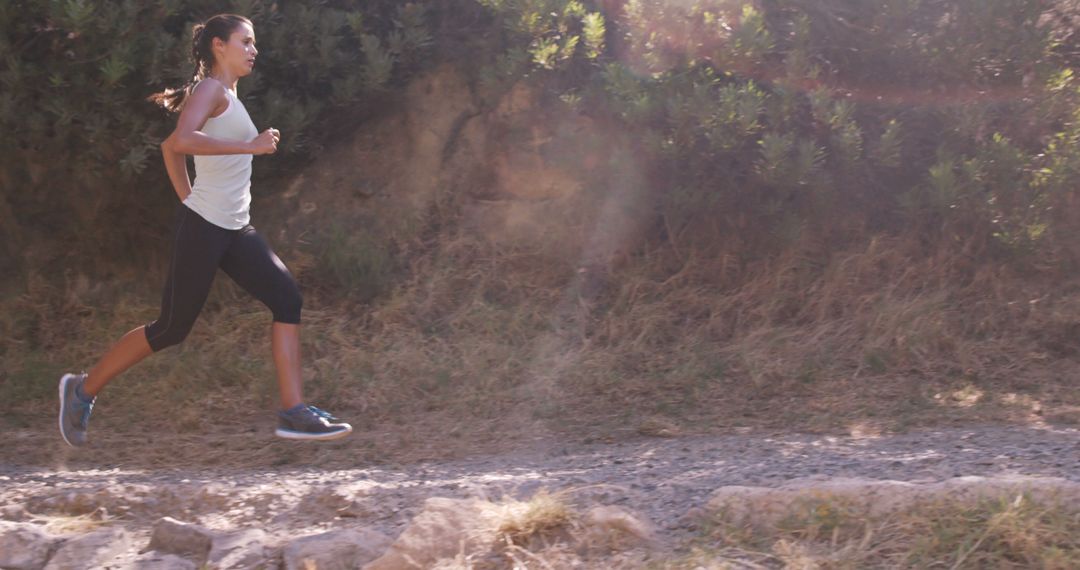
{"x": 188, "y": 138}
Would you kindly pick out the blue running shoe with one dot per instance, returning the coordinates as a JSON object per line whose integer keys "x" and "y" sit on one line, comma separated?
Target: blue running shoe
{"x": 310, "y": 423}
{"x": 74, "y": 411}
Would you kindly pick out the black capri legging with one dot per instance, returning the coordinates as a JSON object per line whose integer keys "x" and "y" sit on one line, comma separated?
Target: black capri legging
{"x": 199, "y": 249}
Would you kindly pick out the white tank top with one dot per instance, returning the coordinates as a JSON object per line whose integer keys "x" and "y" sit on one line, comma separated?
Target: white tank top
{"x": 221, "y": 192}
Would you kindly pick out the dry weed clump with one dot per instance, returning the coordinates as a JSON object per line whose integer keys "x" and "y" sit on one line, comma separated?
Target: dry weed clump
{"x": 73, "y": 524}
{"x": 549, "y": 531}
{"x": 522, "y": 522}
{"x": 1008, "y": 532}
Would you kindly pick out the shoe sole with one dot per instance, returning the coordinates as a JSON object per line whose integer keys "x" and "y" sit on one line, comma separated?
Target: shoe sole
{"x": 63, "y": 403}
{"x": 304, "y": 436}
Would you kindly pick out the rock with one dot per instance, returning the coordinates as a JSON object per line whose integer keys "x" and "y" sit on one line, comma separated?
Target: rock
{"x": 24, "y": 546}
{"x": 93, "y": 550}
{"x": 354, "y": 509}
{"x": 344, "y": 549}
{"x": 443, "y": 528}
{"x": 159, "y": 561}
{"x": 14, "y": 512}
{"x": 621, "y": 520}
{"x": 242, "y": 549}
{"x": 175, "y": 537}
{"x": 616, "y": 528}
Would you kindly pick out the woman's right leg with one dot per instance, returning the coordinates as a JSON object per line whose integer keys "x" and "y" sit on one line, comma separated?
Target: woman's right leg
{"x": 197, "y": 249}
{"x": 132, "y": 348}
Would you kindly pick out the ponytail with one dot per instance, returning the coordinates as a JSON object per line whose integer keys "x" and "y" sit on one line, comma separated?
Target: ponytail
{"x": 202, "y": 54}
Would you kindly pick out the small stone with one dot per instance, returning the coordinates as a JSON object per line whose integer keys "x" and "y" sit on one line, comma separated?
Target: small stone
{"x": 175, "y": 537}
{"x": 353, "y": 510}
{"x": 159, "y": 561}
{"x": 242, "y": 549}
{"x": 614, "y": 525}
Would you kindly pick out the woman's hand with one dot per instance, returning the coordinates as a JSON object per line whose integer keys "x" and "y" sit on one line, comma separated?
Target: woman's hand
{"x": 266, "y": 142}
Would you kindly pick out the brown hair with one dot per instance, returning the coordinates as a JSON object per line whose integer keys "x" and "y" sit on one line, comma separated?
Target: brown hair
{"x": 202, "y": 41}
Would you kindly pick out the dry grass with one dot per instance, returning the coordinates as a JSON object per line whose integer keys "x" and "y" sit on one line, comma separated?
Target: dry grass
{"x": 823, "y": 532}
{"x": 72, "y": 524}
{"x": 481, "y": 345}
{"x": 1010, "y": 532}
{"x": 548, "y": 531}
{"x": 522, "y": 521}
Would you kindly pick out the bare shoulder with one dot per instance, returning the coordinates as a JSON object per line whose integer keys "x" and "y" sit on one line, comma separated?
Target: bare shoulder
{"x": 209, "y": 89}
{"x": 209, "y": 86}
{"x": 206, "y": 100}
{"x": 209, "y": 95}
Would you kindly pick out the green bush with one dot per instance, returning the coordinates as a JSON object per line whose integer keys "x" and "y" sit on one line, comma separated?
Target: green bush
{"x": 953, "y": 120}
{"x": 81, "y": 149}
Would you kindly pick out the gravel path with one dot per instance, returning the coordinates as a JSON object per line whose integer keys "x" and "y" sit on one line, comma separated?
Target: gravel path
{"x": 662, "y": 478}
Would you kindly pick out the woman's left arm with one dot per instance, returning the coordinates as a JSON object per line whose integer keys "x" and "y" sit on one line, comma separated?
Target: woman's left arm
{"x": 176, "y": 165}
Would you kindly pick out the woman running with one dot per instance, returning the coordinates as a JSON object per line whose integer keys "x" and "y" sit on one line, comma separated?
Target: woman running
{"x": 212, "y": 230}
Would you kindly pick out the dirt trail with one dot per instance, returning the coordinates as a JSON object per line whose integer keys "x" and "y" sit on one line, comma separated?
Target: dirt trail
{"x": 662, "y": 478}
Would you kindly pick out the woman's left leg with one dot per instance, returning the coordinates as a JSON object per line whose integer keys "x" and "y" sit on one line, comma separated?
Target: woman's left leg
{"x": 255, "y": 267}
{"x": 285, "y": 344}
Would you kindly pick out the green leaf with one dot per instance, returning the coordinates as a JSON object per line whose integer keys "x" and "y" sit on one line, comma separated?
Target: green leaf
{"x": 115, "y": 68}
{"x": 379, "y": 62}
{"x": 544, "y": 51}
{"x": 77, "y": 15}
{"x": 887, "y": 152}
{"x": 135, "y": 162}
{"x": 594, "y": 31}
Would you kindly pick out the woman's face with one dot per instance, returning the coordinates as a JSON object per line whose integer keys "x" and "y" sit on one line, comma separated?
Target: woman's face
{"x": 238, "y": 54}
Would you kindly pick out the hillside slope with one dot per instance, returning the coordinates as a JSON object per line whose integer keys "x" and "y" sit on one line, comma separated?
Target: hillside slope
{"x": 480, "y": 273}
